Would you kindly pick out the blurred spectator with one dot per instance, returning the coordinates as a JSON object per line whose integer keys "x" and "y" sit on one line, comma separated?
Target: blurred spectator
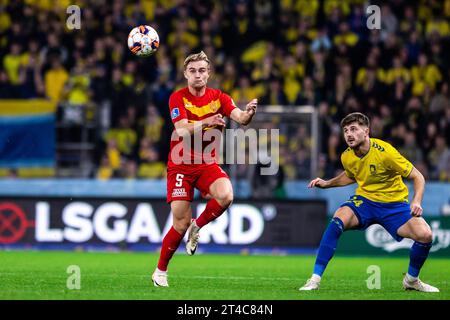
{"x": 269, "y": 185}
{"x": 244, "y": 91}
{"x": 439, "y": 158}
{"x": 345, "y": 36}
{"x": 30, "y": 77}
{"x": 113, "y": 156}
{"x": 332, "y": 151}
{"x": 389, "y": 23}
{"x": 302, "y": 163}
{"x": 78, "y": 86}
{"x": 152, "y": 125}
{"x": 440, "y": 102}
{"x": 118, "y": 94}
{"x": 410, "y": 149}
{"x": 397, "y": 71}
{"x": 151, "y": 166}
{"x": 309, "y": 95}
{"x": 275, "y": 94}
{"x": 229, "y": 77}
{"x": 424, "y": 75}
{"x": 125, "y": 136}
{"x": 5, "y": 85}
{"x": 55, "y": 79}
{"x": 430, "y": 137}
{"x": 129, "y": 170}
{"x": 105, "y": 171}
{"x": 321, "y": 41}
{"x": 12, "y": 63}
{"x": 53, "y": 49}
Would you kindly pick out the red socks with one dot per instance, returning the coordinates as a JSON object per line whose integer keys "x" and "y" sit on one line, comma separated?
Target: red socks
{"x": 172, "y": 239}
{"x": 212, "y": 211}
{"x": 169, "y": 245}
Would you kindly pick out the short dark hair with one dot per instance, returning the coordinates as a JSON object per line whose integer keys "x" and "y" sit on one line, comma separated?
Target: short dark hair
{"x": 355, "y": 117}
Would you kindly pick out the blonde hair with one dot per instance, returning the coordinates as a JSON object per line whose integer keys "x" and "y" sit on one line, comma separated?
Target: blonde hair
{"x": 201, "y": 56}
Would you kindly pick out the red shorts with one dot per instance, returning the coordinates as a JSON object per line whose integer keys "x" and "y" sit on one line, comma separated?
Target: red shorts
{"x": 182, "y": 179}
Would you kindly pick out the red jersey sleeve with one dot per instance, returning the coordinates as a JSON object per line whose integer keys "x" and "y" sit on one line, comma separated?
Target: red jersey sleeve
{"x": 176, "y": 107}
{"x": 227, "y": 104}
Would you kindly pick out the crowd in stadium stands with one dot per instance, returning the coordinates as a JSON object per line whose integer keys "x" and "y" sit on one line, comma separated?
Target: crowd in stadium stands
{"x": 288, "y": 52}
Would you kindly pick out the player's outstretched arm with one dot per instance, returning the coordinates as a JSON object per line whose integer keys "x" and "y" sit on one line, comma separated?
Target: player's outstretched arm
{"x": 185, "y": 128}
{"x": 419, "y": 187}
{"x": 244, "y": 117}
{"x": 338, "y": 181}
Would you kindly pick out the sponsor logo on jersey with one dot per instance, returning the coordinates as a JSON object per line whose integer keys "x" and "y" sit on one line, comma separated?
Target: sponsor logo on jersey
{"x": 377, "y": 146}
{"x": 179, "y": 192}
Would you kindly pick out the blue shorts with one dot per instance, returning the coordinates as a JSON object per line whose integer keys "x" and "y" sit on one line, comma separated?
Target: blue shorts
{"x": 390, "y": 216}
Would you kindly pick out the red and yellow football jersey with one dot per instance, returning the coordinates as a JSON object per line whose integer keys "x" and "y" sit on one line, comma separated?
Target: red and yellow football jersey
{"x": 184, "y": 105}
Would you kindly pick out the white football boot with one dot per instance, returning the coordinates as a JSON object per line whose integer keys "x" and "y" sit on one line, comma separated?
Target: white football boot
{"x": 159, "y": 278}
{"x": 418, "y": 285}
{"x": 193, "y": 236}
{"x": 310, "y": 285}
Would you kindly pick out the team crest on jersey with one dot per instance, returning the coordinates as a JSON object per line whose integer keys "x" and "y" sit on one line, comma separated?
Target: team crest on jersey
{"x": 357, "y": 202}
{"x": 373, "y": 169}
{"x": 214, "y": 105}
{"x": 175, "y": 113}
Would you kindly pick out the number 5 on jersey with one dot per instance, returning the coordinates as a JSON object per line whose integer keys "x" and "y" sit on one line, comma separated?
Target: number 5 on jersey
{"x": 179, "y": 179}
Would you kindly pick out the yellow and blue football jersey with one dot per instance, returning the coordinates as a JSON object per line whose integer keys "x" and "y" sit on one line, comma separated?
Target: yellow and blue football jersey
{"x": 379, "y": 172}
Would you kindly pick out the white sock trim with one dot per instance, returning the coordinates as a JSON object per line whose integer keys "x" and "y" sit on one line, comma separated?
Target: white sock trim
{"x": 411, "y": 278}
{"x": 316, "y": 277}
{"x": 160, "y": 271}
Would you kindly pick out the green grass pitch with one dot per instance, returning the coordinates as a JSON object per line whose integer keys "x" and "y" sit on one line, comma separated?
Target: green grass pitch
{"x": 126, "y": 275}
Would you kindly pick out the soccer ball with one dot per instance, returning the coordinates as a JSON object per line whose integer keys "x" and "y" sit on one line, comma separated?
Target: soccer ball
{"x": 143, "y": 41}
